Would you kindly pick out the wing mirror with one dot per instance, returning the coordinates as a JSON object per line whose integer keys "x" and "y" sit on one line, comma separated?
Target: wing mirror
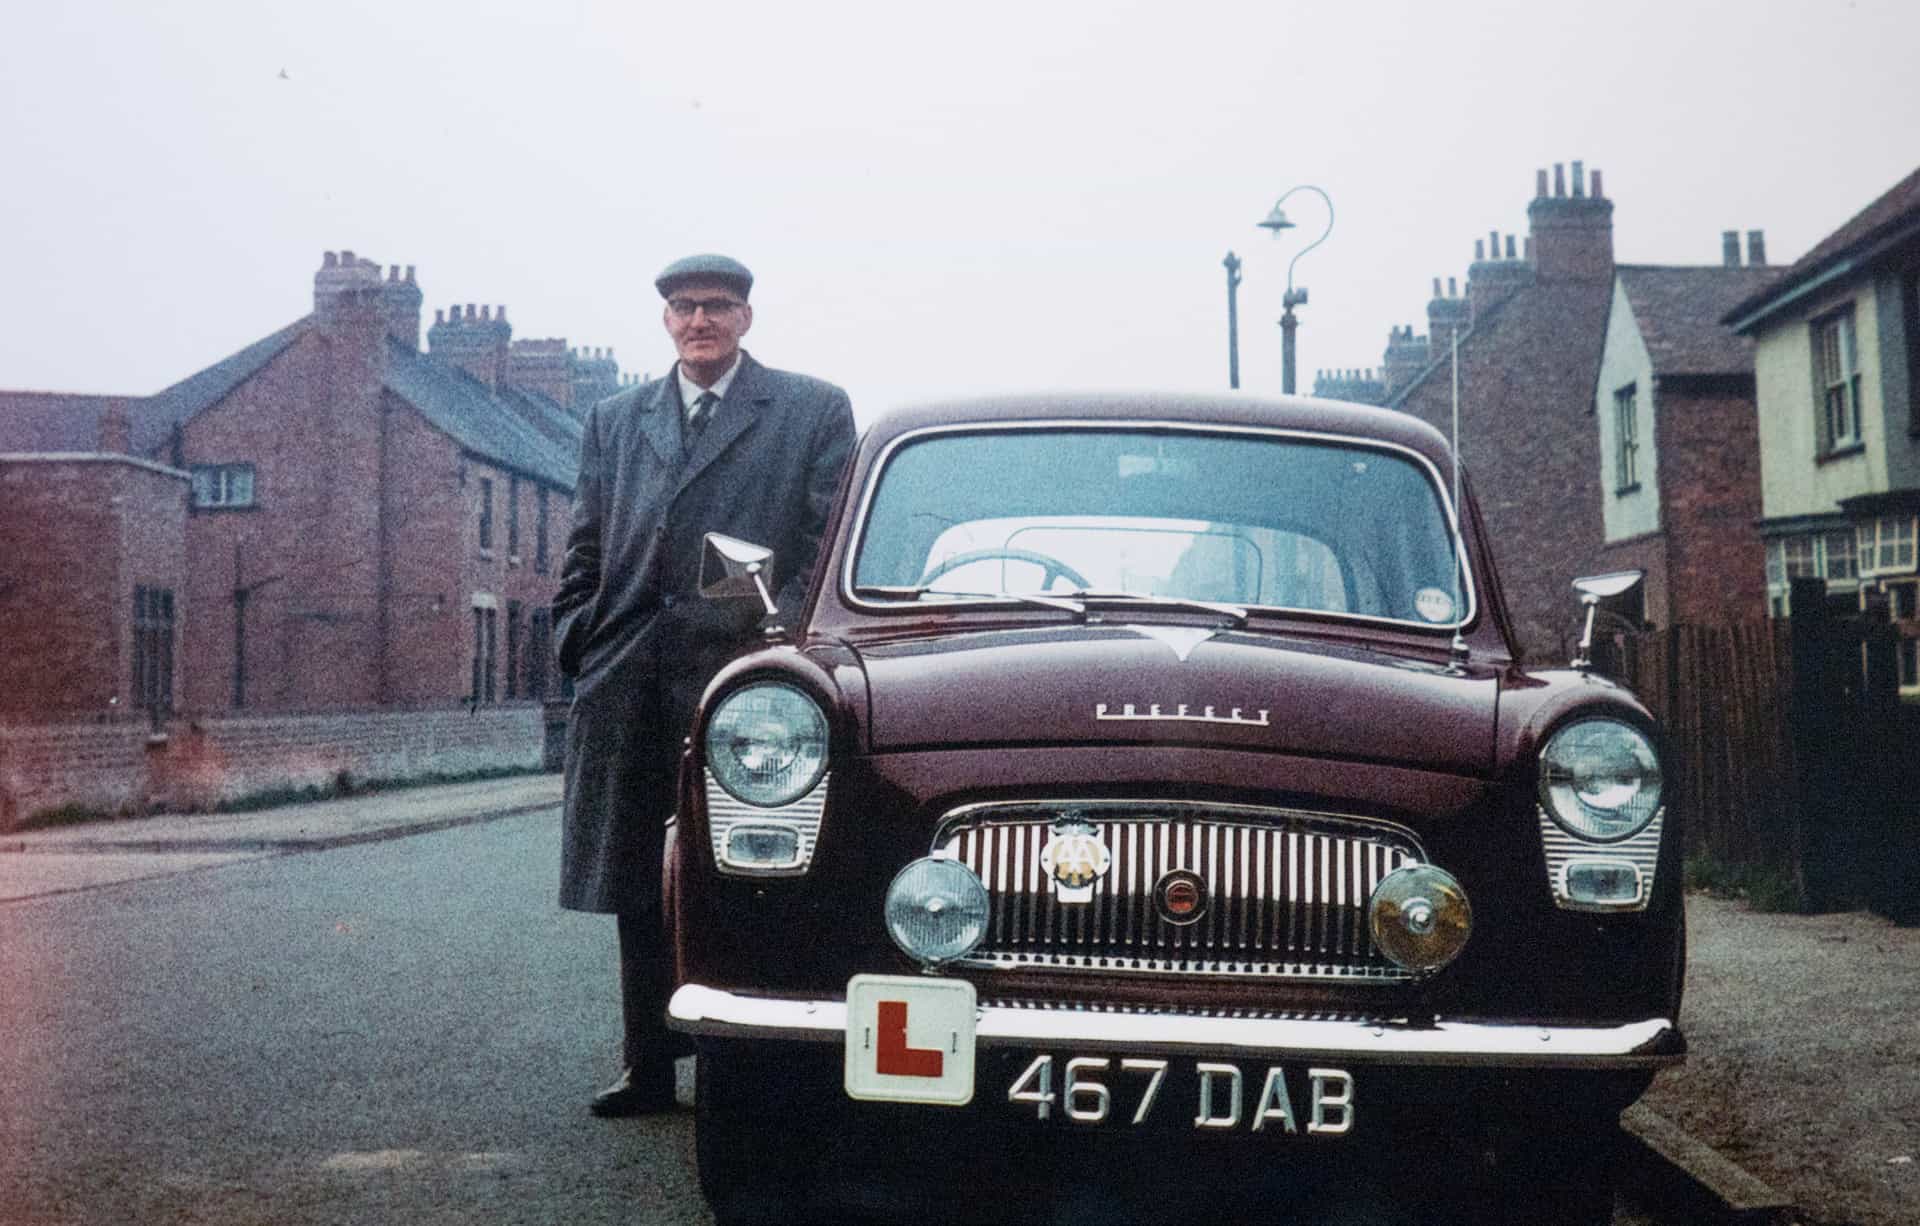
{"x": 1594, "y": 589}
{"x": 733, "y": 570}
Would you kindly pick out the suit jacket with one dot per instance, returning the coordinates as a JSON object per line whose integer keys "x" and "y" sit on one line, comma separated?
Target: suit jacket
{"x": 629, "y": 624}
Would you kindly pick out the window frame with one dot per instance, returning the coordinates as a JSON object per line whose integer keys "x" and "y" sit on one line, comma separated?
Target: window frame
{"x": 213, "y": 486}
{"x": 151, "y": 686}
{"x": 1836, "y": 380}
{"x": 1626, "y": 439}
{"x": 1875, "y": 542}
{"x": 486, "y": 516}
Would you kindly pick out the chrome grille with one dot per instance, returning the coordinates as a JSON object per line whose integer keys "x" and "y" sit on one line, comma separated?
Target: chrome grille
{"x": 1287, "y": 890}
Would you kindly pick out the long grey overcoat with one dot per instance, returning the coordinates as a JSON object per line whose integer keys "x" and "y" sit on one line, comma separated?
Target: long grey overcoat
{"x": 629, "y": 624}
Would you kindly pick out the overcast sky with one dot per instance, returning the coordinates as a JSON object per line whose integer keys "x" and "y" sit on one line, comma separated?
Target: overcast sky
{"x": 935, "y": 198}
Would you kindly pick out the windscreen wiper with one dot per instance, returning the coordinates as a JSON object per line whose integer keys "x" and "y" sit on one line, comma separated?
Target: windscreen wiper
{"x": 909, "y": 592}
{"x": 1235, "y": 612}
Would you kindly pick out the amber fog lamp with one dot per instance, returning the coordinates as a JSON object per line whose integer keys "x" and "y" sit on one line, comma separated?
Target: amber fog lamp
{"x": 1420, "y": 917}
{"x": 936, "y": 910}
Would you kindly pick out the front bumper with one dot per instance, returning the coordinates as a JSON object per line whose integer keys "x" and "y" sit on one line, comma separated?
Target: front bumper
{"x": 1644, "y": 1045}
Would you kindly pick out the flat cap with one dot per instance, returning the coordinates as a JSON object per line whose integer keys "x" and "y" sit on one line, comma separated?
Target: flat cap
{"x": 724, "y": 269}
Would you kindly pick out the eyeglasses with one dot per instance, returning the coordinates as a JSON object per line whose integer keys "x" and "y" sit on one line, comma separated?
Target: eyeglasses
{"x": 716, "y": 308}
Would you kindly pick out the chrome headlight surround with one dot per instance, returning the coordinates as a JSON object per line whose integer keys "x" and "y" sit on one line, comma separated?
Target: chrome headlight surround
{"x": 766, "y": 743}
{"x": 1600, "y": 813}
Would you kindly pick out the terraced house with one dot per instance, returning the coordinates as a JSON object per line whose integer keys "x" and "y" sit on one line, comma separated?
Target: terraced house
{"x": 330, "y": 521}
{"x": 1836, "y": 367}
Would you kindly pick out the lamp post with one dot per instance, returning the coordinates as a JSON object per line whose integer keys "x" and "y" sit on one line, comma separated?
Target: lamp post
{"x": 1276, "y": 221}
{"x": 1232, "y": 263}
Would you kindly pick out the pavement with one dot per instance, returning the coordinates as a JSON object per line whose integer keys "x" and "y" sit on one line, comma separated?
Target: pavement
{"x": 60, "y": 859}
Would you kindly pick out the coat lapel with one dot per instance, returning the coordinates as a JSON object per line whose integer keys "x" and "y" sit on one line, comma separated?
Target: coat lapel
{"x": 746, "y": 399}
{"x": 660, "y": 421}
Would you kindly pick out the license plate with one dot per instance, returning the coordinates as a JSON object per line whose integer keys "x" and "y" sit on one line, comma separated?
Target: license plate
{"x": 1209, "y": 1095}
{"x": 910, "y": 1040}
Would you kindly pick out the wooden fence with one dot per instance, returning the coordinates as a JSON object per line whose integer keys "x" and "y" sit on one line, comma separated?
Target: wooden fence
{"x": 1789, "y": 752}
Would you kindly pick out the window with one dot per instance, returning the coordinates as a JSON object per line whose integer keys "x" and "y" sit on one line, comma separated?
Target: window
{"x": 1887, "y": 545}
{"x": 1839, "y": 563}
{"x": 1903, "y": 601}
{"x": 513, "y": 518}
{"x": 1626, "y": 451}
{"x": 153, "y": 648}
{"x": 486, "y": 513}
{"x": 1826, "y": 555}
{"x": 540, "y": 530}
{"x": 1837, "y": 375}
{"x": 1909, "y": 652}
{"x": 513, "y": 649}
{"x": 483, "y": 655}
{"x": 539, "y": 650}
{"x": 223, "y": 485}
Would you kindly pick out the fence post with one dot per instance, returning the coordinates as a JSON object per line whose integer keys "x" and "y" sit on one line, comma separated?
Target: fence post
{"x": 1889, "y": 851}
{"x": 1819, "y": 714}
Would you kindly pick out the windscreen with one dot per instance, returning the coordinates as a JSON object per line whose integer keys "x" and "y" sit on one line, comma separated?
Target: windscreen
{"x": 1251, "y": 519}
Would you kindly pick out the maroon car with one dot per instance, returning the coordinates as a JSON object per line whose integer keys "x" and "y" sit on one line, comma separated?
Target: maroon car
{"x": 1149, "y": 817}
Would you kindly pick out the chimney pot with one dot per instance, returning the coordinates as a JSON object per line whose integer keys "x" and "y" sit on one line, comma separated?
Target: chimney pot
{"x": 439, "y": 316}
{"x": 346, "y": 257}
{"x": 1596, "y": 192}
{"x": 1528, "y": 248}
{"x": 1436, "y": 287}
{"x": 471, "y": 313}
{"x": 393, "y": 272}
{"x": 1509, "y": 246}
{"x": 329, "y": 260}
{"x": 1540, "y": 184}
{"x": 1493, "y": 244}
{"x": 486, "y": 313}
{"x": 1730, "y": 248}
{"x": 1479, "y": 251}
{"x": 1579, "y": 179}
{"x": 409, "y": 274}
{"x": 1451, "y": 291}
{"x": 1757, "y": 248}
{"x": 1559, "y": 179}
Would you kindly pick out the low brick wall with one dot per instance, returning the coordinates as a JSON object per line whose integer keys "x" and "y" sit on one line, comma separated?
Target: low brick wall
{"x": 197, "y": 764}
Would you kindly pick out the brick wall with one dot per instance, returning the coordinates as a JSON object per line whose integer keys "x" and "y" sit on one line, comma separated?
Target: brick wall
{"x": 80, "y": 532}
{"x": 118, "y": 767}
{"x": 1709, "y": 441}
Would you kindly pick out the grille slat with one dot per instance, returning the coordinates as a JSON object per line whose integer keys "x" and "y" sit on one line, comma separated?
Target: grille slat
{"x": 1286, "y": 890}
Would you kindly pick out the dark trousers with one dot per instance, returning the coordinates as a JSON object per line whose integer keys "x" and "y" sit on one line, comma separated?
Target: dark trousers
{"x": 646, "y": 977}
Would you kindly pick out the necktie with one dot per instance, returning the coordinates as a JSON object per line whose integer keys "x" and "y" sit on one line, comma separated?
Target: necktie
{"x": 697, "y": 416}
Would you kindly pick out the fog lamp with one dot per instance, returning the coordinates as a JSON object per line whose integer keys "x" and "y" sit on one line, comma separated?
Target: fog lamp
{"x": 1601, "y": 883}
{"x": 763, "y": 846}
{"x": 1419, "y": 917}
{"x": 936, "y": 910}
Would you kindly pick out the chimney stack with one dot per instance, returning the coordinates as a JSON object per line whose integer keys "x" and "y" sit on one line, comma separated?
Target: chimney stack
{"x": 1572, "y": 236}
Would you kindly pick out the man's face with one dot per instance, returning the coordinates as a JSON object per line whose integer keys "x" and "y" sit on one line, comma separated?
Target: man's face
{"x": 706, "y": 320}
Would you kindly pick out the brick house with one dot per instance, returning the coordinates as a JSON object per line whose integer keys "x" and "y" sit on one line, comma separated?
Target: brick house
{"x": 1837, "y": 385}
{"x": 329, "y": 519}
{"x": 1529, "y": 328}
{"x": 1679, "y": 450}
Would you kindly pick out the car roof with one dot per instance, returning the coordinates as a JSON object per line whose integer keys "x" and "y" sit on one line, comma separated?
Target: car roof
{"x": 1303, "y": 413}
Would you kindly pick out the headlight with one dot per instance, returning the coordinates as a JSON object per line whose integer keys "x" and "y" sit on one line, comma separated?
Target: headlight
{"x": 936, "y": 910}
{"x": 1600, "y": 780}
{"x": 767, "y": 744}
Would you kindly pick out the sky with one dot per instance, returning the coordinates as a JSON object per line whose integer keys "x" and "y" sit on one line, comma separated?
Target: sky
{"x": 935, "y": 199}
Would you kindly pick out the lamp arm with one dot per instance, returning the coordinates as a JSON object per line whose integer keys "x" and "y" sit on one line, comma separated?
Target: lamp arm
{"x": 1328, "y": 201}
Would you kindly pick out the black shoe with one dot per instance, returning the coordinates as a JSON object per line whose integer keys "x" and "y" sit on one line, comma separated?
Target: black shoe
{"x": 631, "y": 1095}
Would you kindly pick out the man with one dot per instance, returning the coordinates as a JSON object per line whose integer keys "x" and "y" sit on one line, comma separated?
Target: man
{"x": 721, "y": 444}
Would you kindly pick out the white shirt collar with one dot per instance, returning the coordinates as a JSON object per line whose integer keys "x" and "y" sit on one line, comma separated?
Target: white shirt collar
{"x": 691, "y": 391}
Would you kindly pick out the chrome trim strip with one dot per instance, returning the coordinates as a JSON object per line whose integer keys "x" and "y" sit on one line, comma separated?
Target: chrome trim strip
{"x": 1144, "y": 426}
{"x": 1648, "y": 1044}
{"x": 725, "y": 811}
{"x": 1642, "y": 850}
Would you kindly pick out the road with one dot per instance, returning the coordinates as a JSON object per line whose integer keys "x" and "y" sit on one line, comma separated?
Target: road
{"x": 400, "y": 1031}
{"x": 404, "y": 1030}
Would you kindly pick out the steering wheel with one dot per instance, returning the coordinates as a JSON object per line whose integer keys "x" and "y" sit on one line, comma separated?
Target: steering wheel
{"x": 1051, "y": 568}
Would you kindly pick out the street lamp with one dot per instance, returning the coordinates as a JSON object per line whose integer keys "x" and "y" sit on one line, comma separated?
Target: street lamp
{"x": 1232, "y": 263}
{"x": 1276, "y": 221}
